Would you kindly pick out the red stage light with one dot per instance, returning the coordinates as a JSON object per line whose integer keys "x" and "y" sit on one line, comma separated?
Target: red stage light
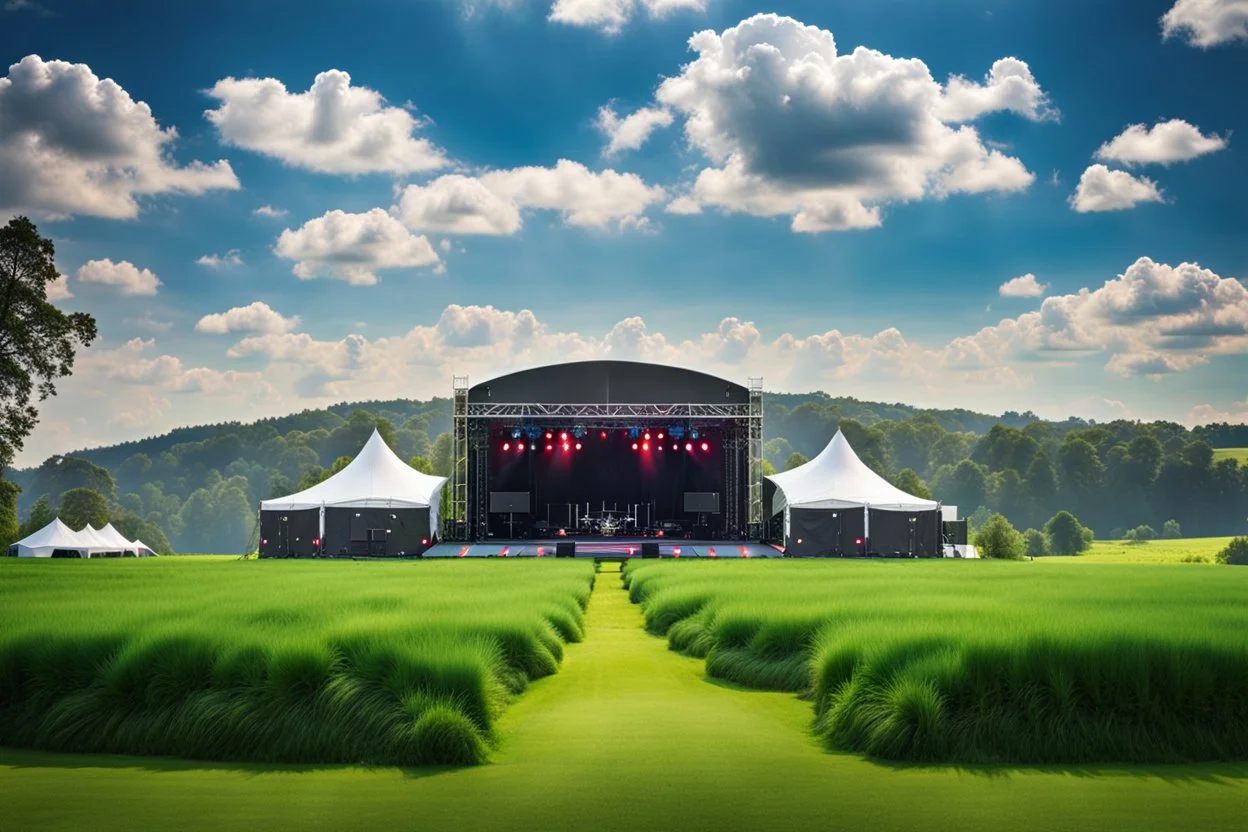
{"x": 660, "y": 447}
{"x": 519, "y": 446}
{"x": 660, "y": 533}
{"x": 549, "y": 435}
{"x": 506, "y": 446}
{"x": 676, "y": 552}
{"x": 578, "y": 446}
{"x": 424, "y": 541}
{"x": 645, "y": 446}
{"x": 859, "y": 541}
{"x": 660, "y": 434}
{"x": 675, "y": 447}
{"x": 705, "y": 447}
{"x": 565, "y": 446}
{"x": 634, "y": 446}
{"x": 689, "y": 447}
{"x": 647, "y": 437}
{"x": 604, "y": 435}
{"x": 563, "y": 532}
{"x": 550, "y": 447}
{"x": 563, "y": 437}
{"x": 799, "y": 541}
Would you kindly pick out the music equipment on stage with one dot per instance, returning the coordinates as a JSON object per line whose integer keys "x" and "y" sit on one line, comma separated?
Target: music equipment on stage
{"x": 565, "y": 549}
{"x": 649, "y": 550}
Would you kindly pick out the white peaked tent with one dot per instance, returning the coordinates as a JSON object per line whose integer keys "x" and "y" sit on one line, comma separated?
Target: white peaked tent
{"x": 378, "y": 504}
{"x": 97, "y": 539}
{"x": 115, "y": 538}
{"x": 835, "y": 504}
{"x": 54, "y": 537}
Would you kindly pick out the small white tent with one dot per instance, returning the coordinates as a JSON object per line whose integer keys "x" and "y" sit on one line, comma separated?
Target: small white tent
{"x": 53, "y": 539}
{"x": 835, "y": 504}
{"x": 115, "y": 538}
{"x": 378, "y": 504}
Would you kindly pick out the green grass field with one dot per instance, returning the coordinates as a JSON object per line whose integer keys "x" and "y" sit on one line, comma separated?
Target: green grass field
{"x": 1186, "y": 550}
{"x": 628, "y": 735}
{"x": 976, "y": 661}
{"x": 287, "y": 662}
{"x": 1239, "y": 454}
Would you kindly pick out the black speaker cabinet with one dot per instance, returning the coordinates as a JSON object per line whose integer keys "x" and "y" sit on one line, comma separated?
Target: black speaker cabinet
{"x": 649, "y": 550}
{"x": 565, "y": 549}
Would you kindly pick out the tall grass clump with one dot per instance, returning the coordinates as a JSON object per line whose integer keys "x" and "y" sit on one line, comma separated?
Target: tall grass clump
{"x": 976, "y": 661}
{"x": 281, "y": 662}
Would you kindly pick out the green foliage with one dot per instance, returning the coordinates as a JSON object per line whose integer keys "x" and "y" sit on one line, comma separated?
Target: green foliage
{"x": 795, "y": 460}
{"x": 421, "y": 464}
{"x": 38, "y": 342}
{"x": 1141, "y": 533}
{"x": 1171, "y": 530}
{"x": 81, "y": 506}
{"x": 986, "y": 662}
{"x": 217, "y": 518}
{"x": 1067, "y": 536}
{"x": 41, "y": 514}
{"x": 998, "y": 539}
{"x": 1036, "y": 543}
{"x": 9, "y": 526}
{"x": 1235, "y": 553}
{"x": 908, "y": 481}
{"x": 395, "y": 664}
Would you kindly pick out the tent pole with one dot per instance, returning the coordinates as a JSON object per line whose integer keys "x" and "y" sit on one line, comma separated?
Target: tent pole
{"x": 866, "y": 528}
{"x": 320, "y": 532}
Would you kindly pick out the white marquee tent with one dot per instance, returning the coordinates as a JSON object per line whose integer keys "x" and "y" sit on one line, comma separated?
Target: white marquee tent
{"x": 377, "y": 504}
{"x": 835, "y": 504}
{"x": 56, "y": 537}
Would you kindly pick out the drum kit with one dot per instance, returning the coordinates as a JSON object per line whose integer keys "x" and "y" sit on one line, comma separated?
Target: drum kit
{"x": 607, "y": 523}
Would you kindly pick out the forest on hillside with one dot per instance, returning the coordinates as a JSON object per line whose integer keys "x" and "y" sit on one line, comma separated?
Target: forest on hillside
{"x": 196, "y": 489}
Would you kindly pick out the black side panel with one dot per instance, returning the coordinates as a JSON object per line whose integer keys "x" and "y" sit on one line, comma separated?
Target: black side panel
{"x": 378, "y": 532}
{"x": 824, "y": 532}
{"x": 905, "y": 532}
{"x": 956, "y": 532}
{"x": 286, "y": 534}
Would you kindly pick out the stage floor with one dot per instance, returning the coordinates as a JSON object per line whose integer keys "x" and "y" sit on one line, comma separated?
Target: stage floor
{"x": 613, "y": 548}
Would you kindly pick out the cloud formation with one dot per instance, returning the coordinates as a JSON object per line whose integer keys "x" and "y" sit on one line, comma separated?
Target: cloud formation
{"x": 124, "y": 276}
{"x": 1102, "y": 189}
{"x": 792, "y": 127}
{"x": 220, "y": 261}
{"x": 333, "y": 127}
{"x": 255, "y": 317}
{"x": 353, "y": 247}
{"x": 269, "y": 212}
{"x": 457, "y": 204}
{"x": 1025, "y": 286}
{"x": 1206, "y": 23}
{"x": 1165, "y": 143}
{"x": 632, "y": 131}
{"x": 610, "y": 16}
{"x": 73, "y": 144}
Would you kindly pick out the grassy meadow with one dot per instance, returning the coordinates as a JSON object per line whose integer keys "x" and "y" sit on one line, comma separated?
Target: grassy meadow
{"x": 1238, "y": 454}
{"x": 290, "y": 662}
{"x": 1186, "y": 550}
{"x": 976, "y": 661}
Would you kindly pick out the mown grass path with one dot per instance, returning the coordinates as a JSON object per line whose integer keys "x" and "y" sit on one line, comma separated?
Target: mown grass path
{"x": 627, "y": 736}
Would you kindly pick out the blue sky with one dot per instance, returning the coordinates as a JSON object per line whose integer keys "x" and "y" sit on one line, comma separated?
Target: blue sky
{"x": 857, "y": 213}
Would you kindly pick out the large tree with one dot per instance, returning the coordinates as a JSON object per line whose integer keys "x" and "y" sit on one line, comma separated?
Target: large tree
{"x": 80, "y": 506}
{"x": 38, "y": 342}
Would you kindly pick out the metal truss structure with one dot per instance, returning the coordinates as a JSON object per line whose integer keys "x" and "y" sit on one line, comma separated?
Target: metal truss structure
{"x": 741, "y": 427}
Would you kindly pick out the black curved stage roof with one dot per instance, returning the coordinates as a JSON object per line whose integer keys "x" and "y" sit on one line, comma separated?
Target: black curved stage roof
{"x": 608, "y": 382}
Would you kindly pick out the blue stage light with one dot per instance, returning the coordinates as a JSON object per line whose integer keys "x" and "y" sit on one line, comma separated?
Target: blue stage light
{"x": 676, "y": 432}
{"x": 634, "y": 433}
{"x": 693, "y": 434}
{"x": 516, "y": 433}
{"x": 534, "y": 432}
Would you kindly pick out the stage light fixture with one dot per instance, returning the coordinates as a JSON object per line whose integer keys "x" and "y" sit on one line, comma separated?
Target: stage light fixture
{"x": 579, "y": 433}
{"x": 676, "y": 432}
{"x": 633, "y": 433}
{"x": 634, "y": 446}
{"x": 675, "y": 447}
{"x": 506, "y": 446}
{"x": 534, "y": 433}
{"x": 578, "y": 446}
{"x": 647, "y": 437}
{"x": 689, "y": 447}
{"x": 603, "y": 435}
{"x": 549, "y": 448}
{"x": 660, "y": 435}
{"x": 705, "y": 447}
{"x": 693, "y": 433}
{"x": 515, "y": 433}
{"x": 565, "y": 445}
{"x": 519, "y": 446}
{"x": 645, "y": 446}
{"x": 549, "y": 435}
{"x": 563, "y": 437}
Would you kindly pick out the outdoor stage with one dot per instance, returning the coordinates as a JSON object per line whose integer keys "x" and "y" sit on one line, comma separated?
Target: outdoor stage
{"x": 605, "y": 548}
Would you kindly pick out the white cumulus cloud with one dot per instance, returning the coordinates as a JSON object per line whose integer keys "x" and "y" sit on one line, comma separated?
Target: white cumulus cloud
{"x": 1102, "y": 189}
{"x": 1164, "y": 143}
{"x": 333, "y": 127}
{"x": 1207, "y": 23}
{"x": 457, "y": 204}
{"x": 353, "y": 247}
{"x": 1024, "y": 286}
{"x": 793, "y": 127}
{"x": 269, "y": 212}
{"x": 74, "y": 144}
{"x": 59, "y": 289}
{"x": 124, "y": 276}
{"x": 220, "y": 261}
{"x": 583, "y": 197}
{"x": 610, "y": 16}
{"x": 255, "y": 317}
{"x": 632, "y": 131}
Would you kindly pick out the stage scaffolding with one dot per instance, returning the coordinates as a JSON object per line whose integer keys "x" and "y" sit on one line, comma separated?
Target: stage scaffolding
{"x": 468, "y": 517}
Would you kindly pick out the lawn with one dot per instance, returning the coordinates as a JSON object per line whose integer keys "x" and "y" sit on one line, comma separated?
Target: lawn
{"x": 1240, "y": 454}
{"x": 628, "y": 735}
{"x": 1185, "y": 550}
{"x": 292, "y": 662}
{"x": 976, "y": 661}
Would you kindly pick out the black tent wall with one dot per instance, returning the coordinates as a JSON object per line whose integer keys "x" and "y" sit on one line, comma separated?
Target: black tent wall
{"x": 292, "y": 538}
{"x": 395, "y": 531}
{"x": 891, "y": 532}
{"x": 815, "y": 532}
